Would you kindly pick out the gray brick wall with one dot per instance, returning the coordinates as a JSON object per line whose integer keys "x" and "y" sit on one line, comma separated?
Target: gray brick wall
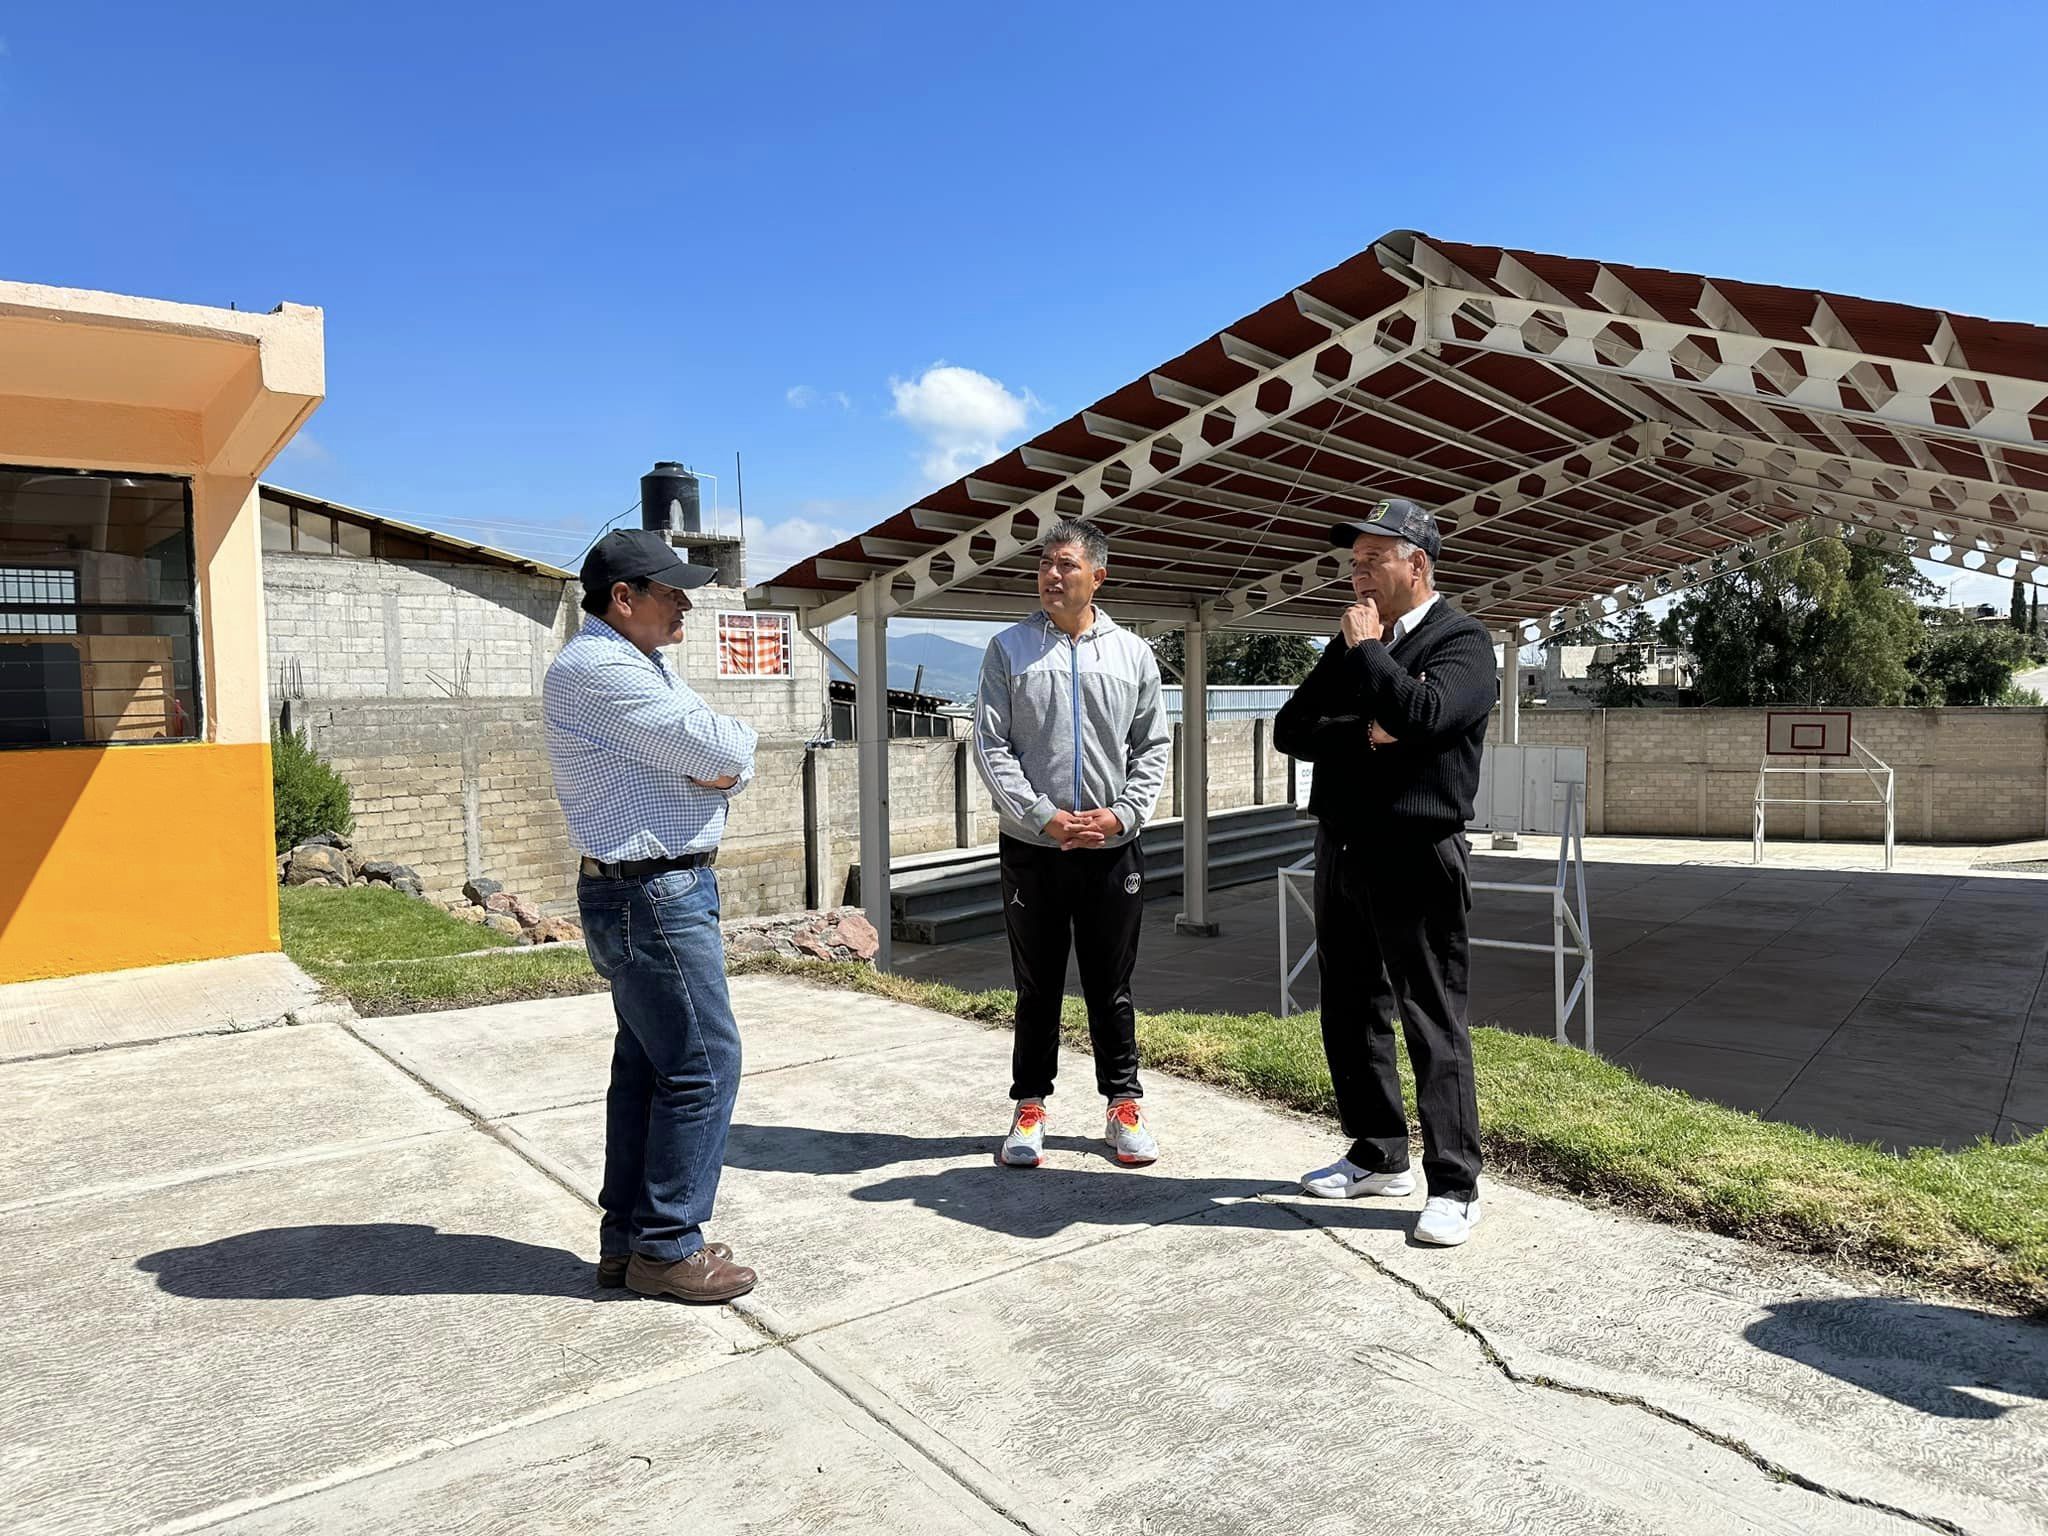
{"x": 421, "y": 682}
{"x": 415, "y": 766}
{"x": 351, "y": 629}
{"x": 379, "y": 655}
{"x": 1962, "y": 775}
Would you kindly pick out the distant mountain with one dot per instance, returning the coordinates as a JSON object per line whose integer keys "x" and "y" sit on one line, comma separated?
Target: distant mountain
{"x": 951, "y": 669}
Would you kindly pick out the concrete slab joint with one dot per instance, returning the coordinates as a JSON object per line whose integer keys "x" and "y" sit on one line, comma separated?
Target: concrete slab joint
{"x": 374, "y": 1240}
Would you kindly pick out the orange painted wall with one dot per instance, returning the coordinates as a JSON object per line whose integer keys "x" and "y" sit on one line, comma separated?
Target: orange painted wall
{"x": 125, "y": 856}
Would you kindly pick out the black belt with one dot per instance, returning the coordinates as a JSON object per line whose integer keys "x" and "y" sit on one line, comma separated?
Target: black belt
{"x": 640, "y": 869}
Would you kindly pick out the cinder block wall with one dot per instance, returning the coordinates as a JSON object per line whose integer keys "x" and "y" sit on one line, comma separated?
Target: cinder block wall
{"x": 388, "y": 629}
{"x": 921, "y": 803}
{"x": 761, "y": 861}
{"x": 1964, "y": 775}
{"x": 451, "y": 787}
{"x": 420, "y": 681}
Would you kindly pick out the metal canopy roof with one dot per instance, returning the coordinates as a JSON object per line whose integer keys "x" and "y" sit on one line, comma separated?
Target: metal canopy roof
{"x": 1591, "y": 437}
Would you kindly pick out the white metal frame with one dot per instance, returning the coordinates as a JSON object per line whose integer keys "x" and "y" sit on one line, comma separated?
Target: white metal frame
{"x": 1708, "y": 393}
{"x": 1873, "y": 768}
{"x": 1570, "y": 915}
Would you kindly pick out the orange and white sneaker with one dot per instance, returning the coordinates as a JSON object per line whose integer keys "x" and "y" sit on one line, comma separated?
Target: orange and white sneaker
{"x": 1128, "y": 1135}
{"x": 1024, "y": 1147}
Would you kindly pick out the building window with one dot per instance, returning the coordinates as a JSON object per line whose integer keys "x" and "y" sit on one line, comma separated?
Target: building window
{"x": 290, "y": 529}
{"x": 277, "y": 526}
{"x": 98, "y": 627}
{"x": 755, "y": 645}
{"x": 38, "y": 600}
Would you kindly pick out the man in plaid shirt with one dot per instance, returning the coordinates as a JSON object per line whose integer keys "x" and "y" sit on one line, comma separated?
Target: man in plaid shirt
{"x": 644, "y": 769}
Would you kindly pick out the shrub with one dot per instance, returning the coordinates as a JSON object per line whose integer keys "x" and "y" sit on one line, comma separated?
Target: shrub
{"x": 309, "y": 795}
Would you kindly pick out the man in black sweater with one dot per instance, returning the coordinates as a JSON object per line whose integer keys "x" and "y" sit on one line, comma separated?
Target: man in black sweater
{"x": 1394, "y": 717}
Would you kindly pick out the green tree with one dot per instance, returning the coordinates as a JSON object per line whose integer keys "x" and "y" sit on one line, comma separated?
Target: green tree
{"x": 2018, "y": 613}
{"x": 1618, "y": 682}
{"x": 1242, "y": 657}
{"x": 1959, "y": 662}
{"x": 1826, "y": 622}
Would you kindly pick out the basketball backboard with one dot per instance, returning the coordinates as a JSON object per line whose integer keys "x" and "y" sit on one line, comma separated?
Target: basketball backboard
{"x": 1807, "y": 733}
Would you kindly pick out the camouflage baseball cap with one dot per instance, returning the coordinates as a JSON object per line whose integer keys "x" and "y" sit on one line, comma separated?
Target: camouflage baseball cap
{"x": 1396, "y": 519}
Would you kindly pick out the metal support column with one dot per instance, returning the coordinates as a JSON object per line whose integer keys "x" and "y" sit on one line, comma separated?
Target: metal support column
{"x": 1510, "y": 712}
{"x": 1194, "y": 783}
{"x": 871, "y": 706}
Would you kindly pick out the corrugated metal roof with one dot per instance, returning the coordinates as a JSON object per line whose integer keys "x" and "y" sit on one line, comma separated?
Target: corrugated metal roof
{"x": 1230, "y": 701}
{"x": 464, "y": 549}
{"x": 1591, "y": 435}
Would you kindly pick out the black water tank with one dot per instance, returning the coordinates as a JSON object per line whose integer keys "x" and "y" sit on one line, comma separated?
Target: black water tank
{"x": 668, "y": 499}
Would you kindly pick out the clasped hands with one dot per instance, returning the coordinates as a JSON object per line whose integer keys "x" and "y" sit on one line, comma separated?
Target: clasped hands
{"x": 1082, "y": 829}
{"x": 725, "y": 781}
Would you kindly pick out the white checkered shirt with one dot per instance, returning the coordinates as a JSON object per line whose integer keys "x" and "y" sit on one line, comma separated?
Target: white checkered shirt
{"x": 626, "y": 738}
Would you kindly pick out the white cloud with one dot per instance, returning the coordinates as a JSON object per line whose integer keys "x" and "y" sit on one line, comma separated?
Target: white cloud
{"x": 773, "y": 548}
{"x": 966, "y": 418}
{"x": 305, "y": 448}
{"x": 802, "y": 397}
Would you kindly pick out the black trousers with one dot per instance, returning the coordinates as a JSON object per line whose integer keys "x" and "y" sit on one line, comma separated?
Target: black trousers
{"x": 1096, "y": 896}
{"x": 1393, "y": 943}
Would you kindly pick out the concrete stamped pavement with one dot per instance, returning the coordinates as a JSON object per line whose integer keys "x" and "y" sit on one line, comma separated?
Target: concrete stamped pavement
{"x": 335, "y": 1277}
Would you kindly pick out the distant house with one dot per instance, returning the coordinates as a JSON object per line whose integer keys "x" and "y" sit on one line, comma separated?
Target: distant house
{"x": 1570, "y": 675}
{"x": 1969, "y": 613}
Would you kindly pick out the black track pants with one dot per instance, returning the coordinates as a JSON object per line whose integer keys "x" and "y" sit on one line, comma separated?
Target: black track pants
{"x": 1095, "y": 896}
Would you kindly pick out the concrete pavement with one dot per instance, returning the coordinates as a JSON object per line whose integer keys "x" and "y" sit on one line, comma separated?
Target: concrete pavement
{"x": 335, "y": 1277}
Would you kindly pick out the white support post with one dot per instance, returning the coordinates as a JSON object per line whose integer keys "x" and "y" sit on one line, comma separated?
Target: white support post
{"x": 1194, "y": 789}
{"x": 872, "y": 714}
{"x": 1505, "y": 838}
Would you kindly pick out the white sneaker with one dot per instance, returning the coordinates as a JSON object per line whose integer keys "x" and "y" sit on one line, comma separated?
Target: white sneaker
{"x": 1447, "y": 1222}
{"x": 1024, "y": 1147}
{"x": 1345, "y": 1180}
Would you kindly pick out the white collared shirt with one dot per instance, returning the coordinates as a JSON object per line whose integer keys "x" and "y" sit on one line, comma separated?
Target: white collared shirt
{"x": 1405, "y": 625}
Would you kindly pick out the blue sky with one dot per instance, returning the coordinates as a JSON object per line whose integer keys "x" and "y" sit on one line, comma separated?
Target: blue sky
{"x": 862, "y": 245}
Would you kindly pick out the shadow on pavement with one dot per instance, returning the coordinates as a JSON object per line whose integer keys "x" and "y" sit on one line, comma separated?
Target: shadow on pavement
{"x": 326, "y": 1263}
{"x": 1044, "y": 1202}
{"x": 1924, "y": 1356}
{"x": 799, "y": 1149}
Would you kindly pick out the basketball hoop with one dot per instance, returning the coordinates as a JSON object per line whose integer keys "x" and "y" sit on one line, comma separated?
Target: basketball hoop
{"x": 1818, "y": 734}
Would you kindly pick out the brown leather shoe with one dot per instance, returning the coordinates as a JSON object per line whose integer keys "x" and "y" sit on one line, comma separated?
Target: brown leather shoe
{"x": 611, "y": 1272}
{"x": 703, "y": 1277}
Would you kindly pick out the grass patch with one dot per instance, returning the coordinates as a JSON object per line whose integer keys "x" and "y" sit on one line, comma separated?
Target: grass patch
{"x": 464, "y": 981}
{"x": 323, "y": 926}
{"x": 1974, "y": 1221}
{"x": 389, "y": 953}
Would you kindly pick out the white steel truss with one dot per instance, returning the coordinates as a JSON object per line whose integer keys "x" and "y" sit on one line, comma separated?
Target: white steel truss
{"x": 1244, "y": 412}
{"x": 1809, "y": 377}
{"x": 1732, "y": 447}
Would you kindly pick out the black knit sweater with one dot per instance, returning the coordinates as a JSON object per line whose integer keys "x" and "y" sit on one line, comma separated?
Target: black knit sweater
{"x": 1432, "y": 691}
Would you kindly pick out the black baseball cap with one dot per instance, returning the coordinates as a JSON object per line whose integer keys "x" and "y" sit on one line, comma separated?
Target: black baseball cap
{"x": 1396, "y": 519}
{"x": 639, "y": 554}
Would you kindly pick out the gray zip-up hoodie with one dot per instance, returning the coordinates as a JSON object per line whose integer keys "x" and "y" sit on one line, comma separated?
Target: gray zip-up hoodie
{"x": 1070, "y": 725}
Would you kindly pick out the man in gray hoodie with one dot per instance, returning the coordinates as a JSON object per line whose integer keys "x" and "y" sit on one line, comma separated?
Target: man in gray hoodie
{"x": 1070, "y": 736}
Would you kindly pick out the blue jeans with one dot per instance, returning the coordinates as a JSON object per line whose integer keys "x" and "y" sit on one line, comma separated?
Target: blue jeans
{"x": 675, "y": 1064}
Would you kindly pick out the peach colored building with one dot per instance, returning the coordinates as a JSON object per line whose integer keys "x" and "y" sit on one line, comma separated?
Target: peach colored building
{"x": 134, "y": 739}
